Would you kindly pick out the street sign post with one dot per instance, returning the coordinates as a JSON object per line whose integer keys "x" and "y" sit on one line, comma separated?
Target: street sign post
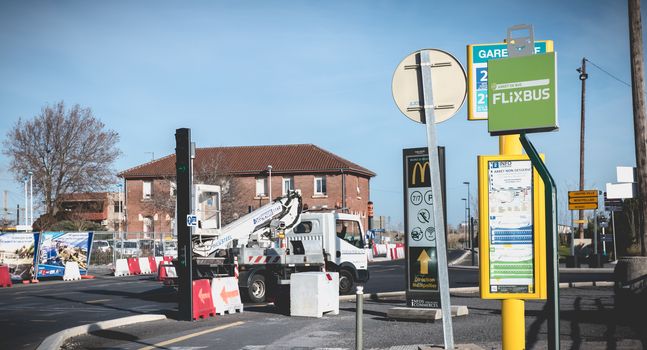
{"x": 435, "y": 84}
{"x": 522, "y": 98}
{"x": 478, "y": 56}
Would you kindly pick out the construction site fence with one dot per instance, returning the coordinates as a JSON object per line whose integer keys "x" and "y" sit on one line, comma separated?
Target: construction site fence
{"x": 107, "y": 247}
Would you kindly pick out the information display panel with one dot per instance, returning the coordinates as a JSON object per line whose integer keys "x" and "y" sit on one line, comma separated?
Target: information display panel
{"x": 513, "y": 243}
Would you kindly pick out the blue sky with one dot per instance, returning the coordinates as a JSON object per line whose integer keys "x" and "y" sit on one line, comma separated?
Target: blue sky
{"x": 286, "y": 72}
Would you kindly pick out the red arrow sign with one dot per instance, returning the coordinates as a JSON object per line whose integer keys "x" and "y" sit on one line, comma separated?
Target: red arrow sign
{"x": 224, "y": 294}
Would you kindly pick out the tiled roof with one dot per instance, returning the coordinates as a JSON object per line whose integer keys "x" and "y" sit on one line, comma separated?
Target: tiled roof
{"x": 252, "y": 160}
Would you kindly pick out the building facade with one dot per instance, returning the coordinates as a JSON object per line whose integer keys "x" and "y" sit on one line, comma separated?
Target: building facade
{"x": 102, "y": 208}
{"x": 249, "y": 177}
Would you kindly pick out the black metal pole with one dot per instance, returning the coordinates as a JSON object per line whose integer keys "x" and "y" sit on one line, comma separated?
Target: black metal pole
{"x": 183, "y": 178}
{"x": 552, "y": 267}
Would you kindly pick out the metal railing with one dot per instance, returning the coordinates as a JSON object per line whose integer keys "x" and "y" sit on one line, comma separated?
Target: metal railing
{"x": 107, "y": 247}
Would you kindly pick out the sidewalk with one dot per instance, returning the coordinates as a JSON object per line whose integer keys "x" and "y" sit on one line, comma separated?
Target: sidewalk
{"x": 588, "y": 321}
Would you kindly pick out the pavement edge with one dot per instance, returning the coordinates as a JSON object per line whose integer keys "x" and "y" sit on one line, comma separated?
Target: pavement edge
{"x": 470, "y": 290}
{"x": 56, "y": 340}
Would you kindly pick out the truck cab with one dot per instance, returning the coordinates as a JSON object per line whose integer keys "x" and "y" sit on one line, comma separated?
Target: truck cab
{"x": 343, "y": 241}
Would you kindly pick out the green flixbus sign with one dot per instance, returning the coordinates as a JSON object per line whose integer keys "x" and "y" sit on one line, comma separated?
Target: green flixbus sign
{"x": 522, "y": 94}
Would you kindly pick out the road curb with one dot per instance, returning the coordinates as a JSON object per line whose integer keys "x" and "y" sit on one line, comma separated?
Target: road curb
{"x": 469, "y": 290}
{"x": 561, "y": 269}
{"x": 56, "y": 340}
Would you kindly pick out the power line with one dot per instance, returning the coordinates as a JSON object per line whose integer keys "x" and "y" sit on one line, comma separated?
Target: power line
{"x": 607, "y": 73}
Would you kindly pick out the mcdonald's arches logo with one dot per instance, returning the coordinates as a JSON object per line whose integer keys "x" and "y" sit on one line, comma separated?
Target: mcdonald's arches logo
{"x": 419, "y": 175}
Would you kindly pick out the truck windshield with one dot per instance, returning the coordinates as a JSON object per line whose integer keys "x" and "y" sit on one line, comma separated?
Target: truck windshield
{"x": 350, "y": 232}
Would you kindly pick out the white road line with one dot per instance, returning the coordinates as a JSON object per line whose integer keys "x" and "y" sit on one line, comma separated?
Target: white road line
{"x": 189, "y": 336}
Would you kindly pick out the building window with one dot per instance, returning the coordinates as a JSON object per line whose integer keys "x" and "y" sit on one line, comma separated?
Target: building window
{"x": 147, "y": 189}
{"x": 172, "y": 189}
{"x": 148, "y": 224}
{"x": 260, "y": 187}
{"x": 320, "y": 185}
{"x": 119, "y": 206}
{"x": 288, "y": 185}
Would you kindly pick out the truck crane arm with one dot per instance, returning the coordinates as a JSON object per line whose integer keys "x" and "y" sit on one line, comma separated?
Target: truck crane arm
{"x": 253, "y": 228}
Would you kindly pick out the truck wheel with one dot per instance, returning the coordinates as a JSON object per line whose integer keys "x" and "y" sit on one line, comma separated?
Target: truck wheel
{"x": 257, "y": 289}
{"x": 346, "y": 282}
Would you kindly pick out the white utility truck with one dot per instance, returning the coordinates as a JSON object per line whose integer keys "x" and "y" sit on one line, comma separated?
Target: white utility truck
{"x": 274, "y": 241}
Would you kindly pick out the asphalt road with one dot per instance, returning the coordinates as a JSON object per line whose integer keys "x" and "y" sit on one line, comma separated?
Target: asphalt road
{"x": 29, "y": 313}
{"x": 588, "y": 321}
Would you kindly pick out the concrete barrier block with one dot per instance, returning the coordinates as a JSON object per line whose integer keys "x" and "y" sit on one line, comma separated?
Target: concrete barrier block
{"x": 314, "y": 293}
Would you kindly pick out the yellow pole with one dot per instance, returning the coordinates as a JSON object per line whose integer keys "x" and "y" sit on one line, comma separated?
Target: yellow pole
{"x": 513, "y": 325}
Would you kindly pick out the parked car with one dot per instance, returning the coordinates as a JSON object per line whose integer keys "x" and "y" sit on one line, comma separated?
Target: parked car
{"x": 128, "y": 247}
{"x": 101, "y": 245}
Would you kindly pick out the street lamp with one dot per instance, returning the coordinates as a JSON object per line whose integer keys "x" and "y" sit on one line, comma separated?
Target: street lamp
{"x": 269, "y": 169}
{"x": 469, "y": 215}
{"x": 31, "y": 199}
{"x": 26, "y": 220}
{"x": 465, "y": 212}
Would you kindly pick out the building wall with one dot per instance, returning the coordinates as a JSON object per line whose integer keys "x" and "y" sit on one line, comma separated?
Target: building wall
{"x": 138, "y": 208}
{"x": 244, "y": 188}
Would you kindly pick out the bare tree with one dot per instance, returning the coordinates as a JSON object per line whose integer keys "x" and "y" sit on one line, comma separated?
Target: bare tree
{"x": 67, "y": 151}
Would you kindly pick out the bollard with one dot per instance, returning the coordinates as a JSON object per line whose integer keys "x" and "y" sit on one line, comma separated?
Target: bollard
{"x": 359, "y": 315}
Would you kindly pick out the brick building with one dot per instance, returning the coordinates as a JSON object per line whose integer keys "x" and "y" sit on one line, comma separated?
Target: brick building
{"x": 326, "y": 182}
{"x": 98, "y": 207}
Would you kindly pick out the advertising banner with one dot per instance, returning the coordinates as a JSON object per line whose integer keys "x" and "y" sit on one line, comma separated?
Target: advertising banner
{"x": 57, "y": 248}
{"x": 422, "y": 286}
{"x": 17, "y": 252}
{"x": 510, "y": 203}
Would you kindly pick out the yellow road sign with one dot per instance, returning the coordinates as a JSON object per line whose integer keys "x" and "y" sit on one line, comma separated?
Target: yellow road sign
{"x": 578, "y": 200}
{"x": 582, "y": 206}
{"x": 579, "y": 221}
{"x": 586, "y": 193}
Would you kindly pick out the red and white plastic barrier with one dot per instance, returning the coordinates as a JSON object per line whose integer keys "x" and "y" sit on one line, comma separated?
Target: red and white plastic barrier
{"x": 380, "y": 250}
{"x": 137, "y": 266}
{"x": 225, "y": 295}
{"x": 133, "y": 266}
{"x": 152, "y": 264}
{"x": 5, "y": 277}
{"x": 72, "y": 272}
{"x": 202, "y": 300}
{"x": 144, "y": 266}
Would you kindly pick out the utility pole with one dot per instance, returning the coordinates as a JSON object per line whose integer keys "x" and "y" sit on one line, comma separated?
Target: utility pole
{"x": 640, "y": 123}
{"x": 583, "y": 77}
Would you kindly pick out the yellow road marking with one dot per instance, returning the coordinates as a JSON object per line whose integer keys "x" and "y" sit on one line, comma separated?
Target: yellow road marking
{"x": 97, "y": 301}
{"x": 189, "y": 336}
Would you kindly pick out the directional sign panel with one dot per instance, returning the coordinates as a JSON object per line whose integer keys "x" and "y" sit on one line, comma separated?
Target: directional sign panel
{"x": 576, "y": 200}
{"x": 583, "y": 200}
{"x": 585, "y": 193}
{"x": 584, "y": 206}
{"x": 478, "y": 56}
{"x": 422, "y": 260}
